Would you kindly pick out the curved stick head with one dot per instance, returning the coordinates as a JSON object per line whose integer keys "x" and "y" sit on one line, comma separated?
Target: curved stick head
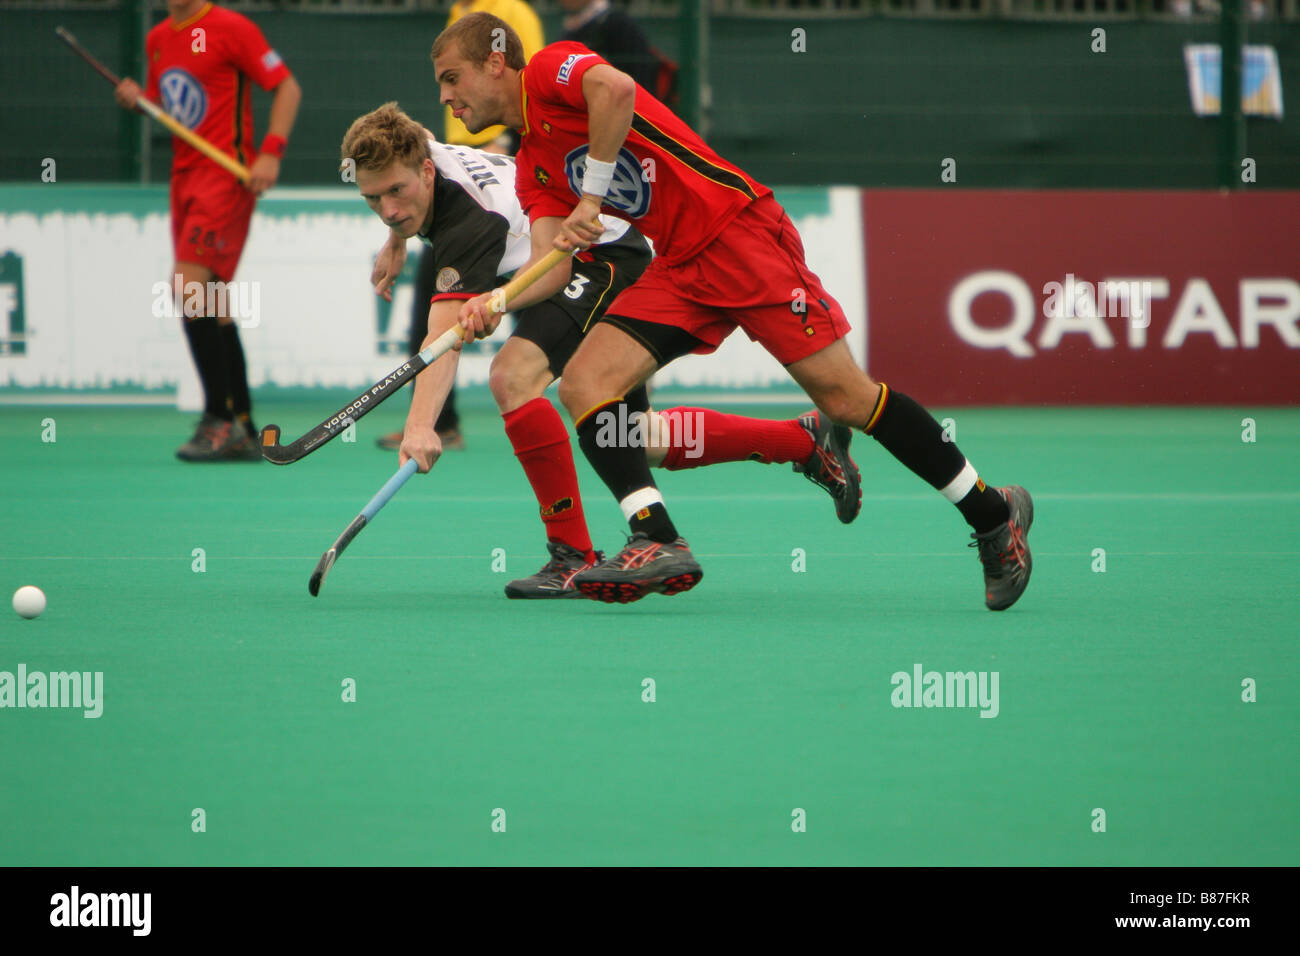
{"x": 270, "y": 436}
{"x": 322, "y": 568}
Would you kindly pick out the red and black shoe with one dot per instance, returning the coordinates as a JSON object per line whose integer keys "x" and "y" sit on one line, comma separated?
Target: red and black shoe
{"x": 1004, "y": 552}
{"x": 555, "y": 579}
{"x": 830, "y": 466}
{"x": 644, "y": 566}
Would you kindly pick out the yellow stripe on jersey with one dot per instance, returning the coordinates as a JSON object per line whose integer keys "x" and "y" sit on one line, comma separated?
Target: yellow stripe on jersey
{"x": 689, "y": 158}
{"x": 524, "y": 93}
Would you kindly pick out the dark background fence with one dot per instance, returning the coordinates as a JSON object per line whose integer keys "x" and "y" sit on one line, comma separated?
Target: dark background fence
{"x": 1010, "y": 89}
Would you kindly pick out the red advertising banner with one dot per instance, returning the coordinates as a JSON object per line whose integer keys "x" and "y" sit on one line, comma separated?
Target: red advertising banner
{"x": 1078, "y": 297}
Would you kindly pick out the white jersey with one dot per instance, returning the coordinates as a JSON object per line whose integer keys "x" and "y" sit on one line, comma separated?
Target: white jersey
{"x": 479, "y": 231}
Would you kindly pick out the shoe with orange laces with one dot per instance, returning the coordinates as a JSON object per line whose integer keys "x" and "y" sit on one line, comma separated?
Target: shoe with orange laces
{"x": 644, "y": 566}
{"x": 1004, "y": 552}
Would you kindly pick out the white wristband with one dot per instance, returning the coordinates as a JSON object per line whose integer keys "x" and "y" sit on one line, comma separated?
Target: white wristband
{"x": 597, "y": 177}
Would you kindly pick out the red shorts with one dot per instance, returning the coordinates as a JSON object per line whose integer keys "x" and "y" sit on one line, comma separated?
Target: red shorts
{"x": 753, "y": 275}
{"x": 211, "y": 210}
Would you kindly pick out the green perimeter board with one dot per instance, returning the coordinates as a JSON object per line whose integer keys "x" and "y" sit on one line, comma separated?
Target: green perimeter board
{"x": 222, "y": 689}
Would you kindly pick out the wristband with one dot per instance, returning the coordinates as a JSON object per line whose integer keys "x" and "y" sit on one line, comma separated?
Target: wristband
{"x": 275, "y": 145}
{"x": 597, "y": 177}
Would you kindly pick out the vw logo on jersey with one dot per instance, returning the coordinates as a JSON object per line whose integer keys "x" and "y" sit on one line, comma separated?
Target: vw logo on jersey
{"x": 183, "y": 97}
{"x": 629, "y": 192}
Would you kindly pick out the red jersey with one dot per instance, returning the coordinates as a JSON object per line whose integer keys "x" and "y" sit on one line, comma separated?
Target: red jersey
{"x": 667, "y": 182}
{"x": 199, "y": 71}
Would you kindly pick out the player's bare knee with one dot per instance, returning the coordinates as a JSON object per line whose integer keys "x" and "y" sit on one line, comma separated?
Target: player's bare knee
{"x": 846, "y": 406}
{"x": 571, "y": 394}
{"x": 580, "y": 393}
{"x": 504, "y": 382}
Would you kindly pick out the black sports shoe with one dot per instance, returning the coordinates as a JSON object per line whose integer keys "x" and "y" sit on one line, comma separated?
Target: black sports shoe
{"x": 209, "y": 437}
{"x": 1004, "y": 552}
{"x": 830, "y": 466}
{"x": 644, "y": 566}
{"x": 555, "y": 579}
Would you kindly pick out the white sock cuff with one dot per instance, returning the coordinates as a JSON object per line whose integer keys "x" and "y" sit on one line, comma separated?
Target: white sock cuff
{"x": 960, "y": 487}
{"x": 642, "y": 498}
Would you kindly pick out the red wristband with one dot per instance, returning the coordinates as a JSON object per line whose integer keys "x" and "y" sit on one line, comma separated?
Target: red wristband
{"x": 275, "y": 145}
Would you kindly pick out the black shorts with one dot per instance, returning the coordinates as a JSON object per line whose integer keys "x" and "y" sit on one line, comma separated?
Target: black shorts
{"x": 666, "y": 343}
{"x": 557, "y": 325}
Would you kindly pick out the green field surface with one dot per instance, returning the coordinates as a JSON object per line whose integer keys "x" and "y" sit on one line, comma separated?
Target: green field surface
{"x": 1119, "y": 690}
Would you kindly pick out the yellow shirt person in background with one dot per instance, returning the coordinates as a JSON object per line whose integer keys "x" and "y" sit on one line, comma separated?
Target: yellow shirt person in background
{"x": 521, "y": 17}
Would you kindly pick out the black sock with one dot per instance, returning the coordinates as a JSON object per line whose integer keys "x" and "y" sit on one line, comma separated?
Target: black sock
{"x": 210, "y": 360}
{"x": 653, "y": 520}
{"x": 241, "y": 403}
{"x": 638, "y": 400}
{"x": 984, "y": 508}
{"x": 622, "y": 466}
{"x": 910, "y": 433}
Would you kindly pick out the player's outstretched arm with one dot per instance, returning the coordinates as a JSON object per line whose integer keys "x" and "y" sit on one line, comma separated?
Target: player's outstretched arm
{"x": 419, "y": 439}
{"x": 477, "y": 314}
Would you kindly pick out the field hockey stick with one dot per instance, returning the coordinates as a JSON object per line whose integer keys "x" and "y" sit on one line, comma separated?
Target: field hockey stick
{"x": 360, "y": 521}
{"x": 238, "y": 170}
{"x": 368, "y": 400}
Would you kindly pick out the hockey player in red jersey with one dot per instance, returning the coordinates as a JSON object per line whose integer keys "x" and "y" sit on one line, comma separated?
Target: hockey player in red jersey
{"x": 727, "y": 256}
{"x": 201, "y": 61}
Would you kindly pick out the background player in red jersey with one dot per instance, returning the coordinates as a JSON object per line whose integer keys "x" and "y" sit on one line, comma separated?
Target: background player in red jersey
{"x": 201, "y": 59}
{"x": 727, "y": 255}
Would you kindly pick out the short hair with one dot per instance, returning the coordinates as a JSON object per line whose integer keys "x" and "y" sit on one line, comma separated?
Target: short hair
{"x": 385, "y": 136}
{"x": 479, "y": 35}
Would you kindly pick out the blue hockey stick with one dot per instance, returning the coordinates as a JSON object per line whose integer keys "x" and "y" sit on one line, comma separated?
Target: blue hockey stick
{"x": 360, "y": 521}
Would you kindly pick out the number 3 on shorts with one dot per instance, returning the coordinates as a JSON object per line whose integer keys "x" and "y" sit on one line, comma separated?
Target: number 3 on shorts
{"x": 575, "y": 288}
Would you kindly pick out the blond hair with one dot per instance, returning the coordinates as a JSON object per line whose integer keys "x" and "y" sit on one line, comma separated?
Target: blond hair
{"x": 385, "y": 136}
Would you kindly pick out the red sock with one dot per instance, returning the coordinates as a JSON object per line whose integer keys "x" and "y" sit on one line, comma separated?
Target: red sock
{"x": 701, "y": 436}
{"x": 541, "y": 444}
